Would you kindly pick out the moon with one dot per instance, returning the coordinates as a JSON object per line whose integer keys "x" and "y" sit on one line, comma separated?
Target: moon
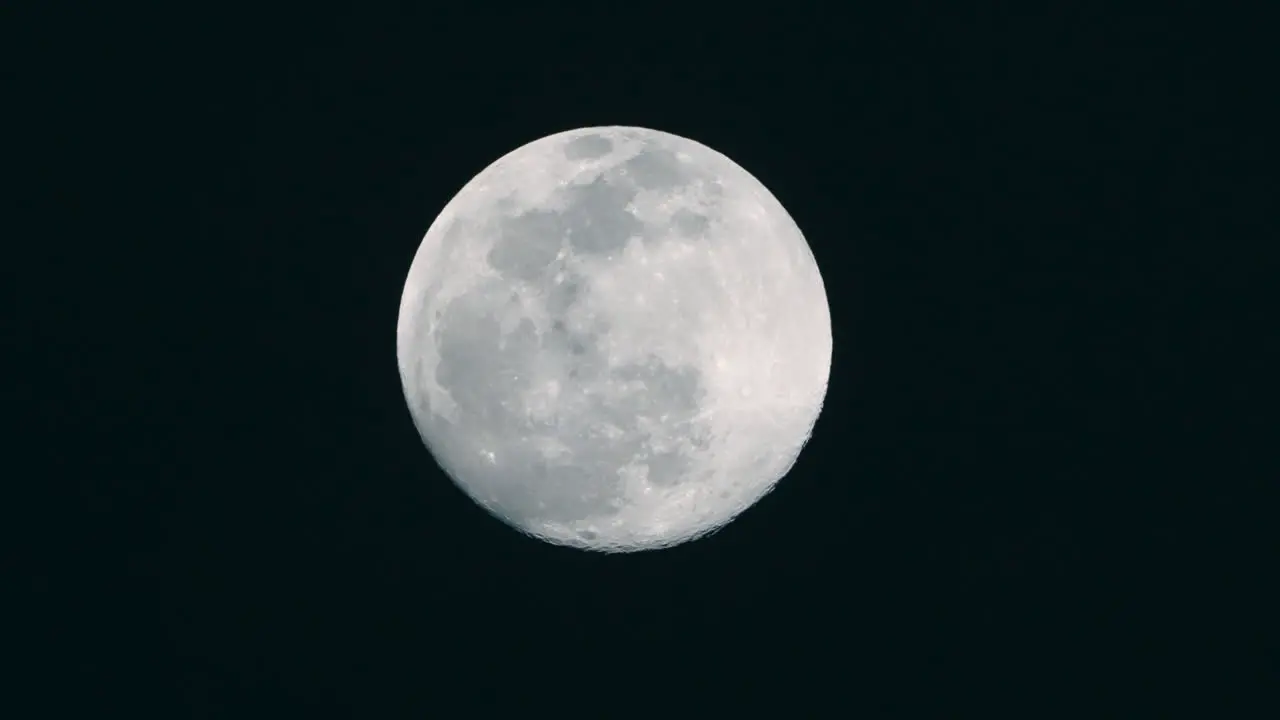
{"x": 614, "y": 338}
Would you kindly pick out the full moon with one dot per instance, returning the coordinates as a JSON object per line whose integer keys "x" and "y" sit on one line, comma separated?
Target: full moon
{"x": 614, "y": 338}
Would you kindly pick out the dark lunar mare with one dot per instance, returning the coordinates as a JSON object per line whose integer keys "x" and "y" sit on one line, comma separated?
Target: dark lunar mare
{"x": 486, "y": 373}
{"x": 588, "y": 147}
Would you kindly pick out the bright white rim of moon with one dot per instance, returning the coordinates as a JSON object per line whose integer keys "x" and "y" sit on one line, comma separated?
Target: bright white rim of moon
{"x": 614, "y": 338}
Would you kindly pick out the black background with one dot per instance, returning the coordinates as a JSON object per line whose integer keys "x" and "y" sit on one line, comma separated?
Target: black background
{"x": 1023, "y": 486}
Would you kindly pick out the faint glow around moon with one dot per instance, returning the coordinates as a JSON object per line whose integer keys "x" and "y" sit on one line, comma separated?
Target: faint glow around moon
{"x": 614, "y": 338}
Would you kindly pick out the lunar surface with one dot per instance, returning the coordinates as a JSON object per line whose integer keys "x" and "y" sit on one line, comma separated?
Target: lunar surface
{"x": 614, "y": 338}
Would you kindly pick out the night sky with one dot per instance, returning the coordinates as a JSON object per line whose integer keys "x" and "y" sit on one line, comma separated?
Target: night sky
{"x": 1009, "y": 493}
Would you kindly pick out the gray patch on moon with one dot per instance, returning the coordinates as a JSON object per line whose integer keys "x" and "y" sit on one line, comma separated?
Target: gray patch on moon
{"x": 602, "y": 422}
{"x": 486, "y": 373}
{"x": 595, "y": 217}
{"x": 603, "y": 417}
{"x": 588, "y": 147}
{"x": 666, "y": 468}
{"x": 689, "y": 223}
{"x": 479, "y": 365}
{"x": 669, "y": 397}
{"x": 596, "y": 220}
{"x": 527, "y": 244}
{"x": 563, "y": 294}
{"x": 657, "y": 168}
